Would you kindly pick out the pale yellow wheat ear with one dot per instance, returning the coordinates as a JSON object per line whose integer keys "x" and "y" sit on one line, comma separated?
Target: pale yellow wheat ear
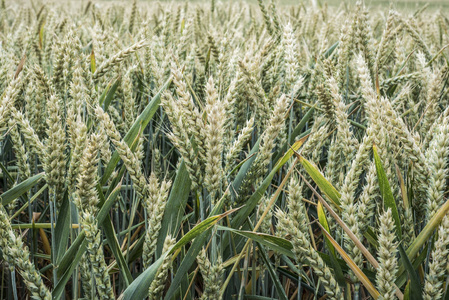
{"x": 304, "y": 251}
{"x": 387, "y": 256}
{"x": 17, "y": 256}
{"x": 154, "y": 207}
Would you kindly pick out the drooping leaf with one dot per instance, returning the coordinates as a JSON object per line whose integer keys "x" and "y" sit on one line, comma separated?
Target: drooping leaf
{"x": 190, "y": 256}
{"x": 241, "y": 216}
{"x": 325, "y": 186}
{"x": 360, "y": 275}
{"x": 428, "y": 230}
{"x": 20, "y": 189}
{"x": 275, "y": 243}
{"x": 138, "y": 289}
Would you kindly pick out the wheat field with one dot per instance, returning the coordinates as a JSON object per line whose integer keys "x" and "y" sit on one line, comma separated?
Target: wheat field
{"x": 223, "y": 150}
